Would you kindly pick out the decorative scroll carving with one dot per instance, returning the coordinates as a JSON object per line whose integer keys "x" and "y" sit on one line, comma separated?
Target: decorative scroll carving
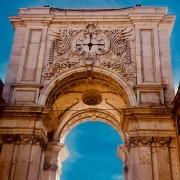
{"x": 24, "y": 138}
{"x": 108, "y": 48}
{"x": 62, "y": 41}
{"x": 119, "y": 42}
{"x": 143, "y": 140}
{"x": 119, "y": 56}
{"x": 50, "y": 166}
{"x": 91, "y": 98}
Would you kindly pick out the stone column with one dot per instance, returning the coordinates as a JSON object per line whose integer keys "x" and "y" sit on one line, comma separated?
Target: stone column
{"x": 153, "y": 158}
{"x": 5, "y": 160}
{"x": 21, "y": 156}
{"x": 55, "y": 154}
{"x": 174, "y": 160}
{"x": 163, "y": 157}
{"x": 140, "y": 157}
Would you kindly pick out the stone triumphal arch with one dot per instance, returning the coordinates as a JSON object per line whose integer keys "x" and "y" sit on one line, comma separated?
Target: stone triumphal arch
{"x": 71, "y": 65}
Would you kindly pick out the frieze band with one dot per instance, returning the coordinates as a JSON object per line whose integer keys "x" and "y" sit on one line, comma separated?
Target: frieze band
{"x": 24, "y": 138}
{"x": 148, "y": 140}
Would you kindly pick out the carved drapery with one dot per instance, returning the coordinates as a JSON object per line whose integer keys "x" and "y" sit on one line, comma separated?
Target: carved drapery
{"x": 114, "y": 52}
{"x": 24, "y": 138}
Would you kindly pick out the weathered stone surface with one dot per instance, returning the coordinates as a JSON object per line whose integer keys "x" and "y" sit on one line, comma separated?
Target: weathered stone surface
{"x": 70, "y": 66}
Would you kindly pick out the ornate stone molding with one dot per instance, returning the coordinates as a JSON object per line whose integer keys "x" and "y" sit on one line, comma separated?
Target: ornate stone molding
{"x": 71, "y": 48}
{"x": 91, "y": 98}
{"x": 92, "y": 114}
{"x": 148, "y": 140}
{"x": 50, "y": 166}
{"x": 24, "y": 138}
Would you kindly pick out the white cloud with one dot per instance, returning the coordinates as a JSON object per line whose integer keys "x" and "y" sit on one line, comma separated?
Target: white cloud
{"x": 74, "y": 156}
{"x": 71, "y": 143}
{"x": 118, "y": 177}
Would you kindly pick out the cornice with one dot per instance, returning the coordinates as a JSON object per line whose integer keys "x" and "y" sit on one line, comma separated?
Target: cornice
{"x": 26, "y": 85}
{"x": 158, "y": 87}
{"x": 31, "y": 20}
{"x": 24, "y": 110}
{"x": 134, "y": 16}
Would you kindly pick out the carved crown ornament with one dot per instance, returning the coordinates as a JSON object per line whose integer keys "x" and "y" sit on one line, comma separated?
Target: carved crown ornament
{"x": 91, "y": 46}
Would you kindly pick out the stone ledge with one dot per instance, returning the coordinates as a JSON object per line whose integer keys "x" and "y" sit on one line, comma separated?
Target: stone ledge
{"x": 150, "y": 86}
{"x": 26, "y": 85}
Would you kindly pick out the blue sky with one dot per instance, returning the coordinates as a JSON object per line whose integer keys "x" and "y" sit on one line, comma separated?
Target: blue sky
{"x": 93, "y": 151}
{"x": 92, "y": 145}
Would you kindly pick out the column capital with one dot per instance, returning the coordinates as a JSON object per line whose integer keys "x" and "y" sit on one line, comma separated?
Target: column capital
{"x": 55, "y": 153}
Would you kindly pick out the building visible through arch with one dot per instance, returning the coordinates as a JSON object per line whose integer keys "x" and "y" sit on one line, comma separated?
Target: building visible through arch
{"x": 71, "y": 65}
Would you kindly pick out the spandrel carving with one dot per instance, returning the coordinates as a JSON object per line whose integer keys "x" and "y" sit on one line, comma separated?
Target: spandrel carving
{"x": 107, "y": 48}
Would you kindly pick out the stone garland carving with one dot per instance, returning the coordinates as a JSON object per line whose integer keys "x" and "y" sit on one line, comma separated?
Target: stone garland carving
{"x": 24, "y": 138}
{"x": 91, "y": 46}
{"x": 138, "y": 140}
{"x": 162, "y": 140}
{"x": 50, "y": 166}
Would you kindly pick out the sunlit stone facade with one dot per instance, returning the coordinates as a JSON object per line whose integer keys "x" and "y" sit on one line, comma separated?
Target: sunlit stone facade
{"x": 71, "y": 65}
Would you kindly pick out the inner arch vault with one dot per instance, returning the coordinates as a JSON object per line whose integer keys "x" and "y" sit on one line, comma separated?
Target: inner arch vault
{"x": 64, "y": 95}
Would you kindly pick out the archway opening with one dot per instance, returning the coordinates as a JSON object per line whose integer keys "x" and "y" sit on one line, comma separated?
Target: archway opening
{"x": 93, "y": 153}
